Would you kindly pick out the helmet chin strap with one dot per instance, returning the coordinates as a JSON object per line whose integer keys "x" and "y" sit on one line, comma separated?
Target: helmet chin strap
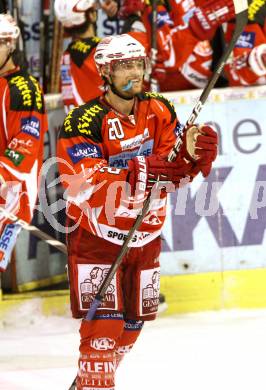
{"x": 116, "y": 92}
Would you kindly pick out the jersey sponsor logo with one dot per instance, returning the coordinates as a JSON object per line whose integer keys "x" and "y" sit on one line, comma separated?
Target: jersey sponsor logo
{"x": 38, "y": 94}
{"x": 115, "y": 129}
{"x": 150, "y": 289}
{"x": 124, "y": 349}
{"x": 86, "y": 119}
{"x": 96, "y": 367}
{"x": 84, "y": 47}
{"x": 140, "y": 236}
{"x": 133, "y": 143}
{"x": 118, "y": 236}
{"x": 83, "y": 150}
{"x": 133, "y": 325}
{"x": 90, "y": 278}
{"x": 109, "y": 316}
{"x": 14, "y": 156}
{"x": 65, "y": 75}
{"x": 23, "y": 86}
{"x": 254, "y": 7}
{"x": 102, "y": 343}
{"x": 121, "y": 160}
{"x": 67, "y": 122}
{"x": 246, "y": 40}
{"x": 31, "y": 126}
{"x": 163, "y": 18}
{"x": 21, "y": 145}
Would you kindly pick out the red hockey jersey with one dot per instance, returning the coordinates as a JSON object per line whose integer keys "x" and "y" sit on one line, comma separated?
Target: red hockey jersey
{"x": 96, "y": 143}
{"x": 23, "y": 123}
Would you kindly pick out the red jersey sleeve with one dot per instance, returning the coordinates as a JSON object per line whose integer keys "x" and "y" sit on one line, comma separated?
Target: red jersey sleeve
{"x": 23, "y": 126}
{"x": 82, "y": 158}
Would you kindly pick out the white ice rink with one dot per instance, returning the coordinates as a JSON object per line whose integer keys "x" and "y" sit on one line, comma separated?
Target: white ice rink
{"x": 206, "y": 351}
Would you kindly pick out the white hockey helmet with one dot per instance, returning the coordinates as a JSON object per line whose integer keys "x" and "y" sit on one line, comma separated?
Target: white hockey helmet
{"x": 119, "y": 47}
{"x": 72, "y": 13}
{"x": 9, "y": 31}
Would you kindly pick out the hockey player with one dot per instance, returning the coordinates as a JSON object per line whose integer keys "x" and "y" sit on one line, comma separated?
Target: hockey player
{"x": 80, "y": 81}
{"x": 23, "y": 123}
{"x": 112, "y": 150}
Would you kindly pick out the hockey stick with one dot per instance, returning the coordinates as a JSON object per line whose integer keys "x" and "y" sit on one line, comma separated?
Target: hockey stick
{"x": 153, "y": 81}
{"x": 16, "y": 14}
{"x": 241, "y": 7}
{"x": 34, "y": 230}
{"x": 44, "y": 44}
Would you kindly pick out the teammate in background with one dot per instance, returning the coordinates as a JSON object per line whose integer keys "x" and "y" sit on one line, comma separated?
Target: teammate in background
{"x": 248, "y": 62}
{"x": 80, "y": 81}
{"x": 23, "y": 123}
{"x": 115, "y": 149}
{"x": 184, "y": 29}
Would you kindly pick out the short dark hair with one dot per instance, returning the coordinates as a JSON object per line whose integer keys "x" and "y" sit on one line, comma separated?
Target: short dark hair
{"x": 77, "y": 30}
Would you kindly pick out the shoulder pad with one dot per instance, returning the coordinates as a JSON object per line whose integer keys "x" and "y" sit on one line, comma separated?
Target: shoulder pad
{"x": 25, "y": 93}
{"x": 161, "y": 98}
{"x": 79, "y": 50}
{"x": 85, "y": 121}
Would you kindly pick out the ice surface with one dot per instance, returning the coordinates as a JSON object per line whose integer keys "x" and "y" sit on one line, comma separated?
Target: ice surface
{"x": 205, "y": 351}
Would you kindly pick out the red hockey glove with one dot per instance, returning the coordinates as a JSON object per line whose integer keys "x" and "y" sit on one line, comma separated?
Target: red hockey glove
{"x": 208, "y": 15}
{"x": 158, "y": 73}
{"x": 144, "y": 172}
{"x": 200, "y": 146}
{"x": 257, "y": 60}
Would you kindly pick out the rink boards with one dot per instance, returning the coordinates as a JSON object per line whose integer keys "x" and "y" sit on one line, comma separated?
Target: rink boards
{"x": 213, "y": 254}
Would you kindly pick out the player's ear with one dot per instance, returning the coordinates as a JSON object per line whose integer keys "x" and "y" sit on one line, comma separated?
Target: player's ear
{"x": 105, "y": 73}
{"x": 91, "y": 15}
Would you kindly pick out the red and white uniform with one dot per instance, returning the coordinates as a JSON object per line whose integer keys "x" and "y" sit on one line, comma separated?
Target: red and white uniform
{"x": 239, "y": 70}
{"x": 80, "y": 80}
{"x": 96, "y": 137}
{"x": 23, "y": 123}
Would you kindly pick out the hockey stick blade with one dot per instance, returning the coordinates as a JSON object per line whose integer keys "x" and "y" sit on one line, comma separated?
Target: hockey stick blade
{"x": 241, "y": 7}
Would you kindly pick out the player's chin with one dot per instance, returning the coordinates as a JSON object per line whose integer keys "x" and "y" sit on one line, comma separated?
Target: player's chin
{"x": 136, "y": 88}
